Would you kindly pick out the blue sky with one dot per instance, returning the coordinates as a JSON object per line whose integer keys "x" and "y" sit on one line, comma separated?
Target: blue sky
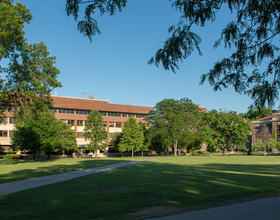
{"x": 114, "y": 66}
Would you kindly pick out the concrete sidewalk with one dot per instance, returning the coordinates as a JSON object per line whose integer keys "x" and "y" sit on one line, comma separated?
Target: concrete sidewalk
{"x": 261, "y": 209}
{"x": 12, "y": 187}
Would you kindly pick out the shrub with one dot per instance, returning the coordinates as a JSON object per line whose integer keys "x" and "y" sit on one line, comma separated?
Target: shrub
{"x": 12, "y": 156}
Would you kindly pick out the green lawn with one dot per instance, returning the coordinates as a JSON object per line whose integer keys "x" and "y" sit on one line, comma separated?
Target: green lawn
{"x": 160, "y": 186}
{"x": 14, "y": 170}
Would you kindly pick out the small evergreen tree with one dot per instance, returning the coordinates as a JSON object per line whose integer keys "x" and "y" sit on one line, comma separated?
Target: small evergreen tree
{"x": 133, "y": 137}
{"x": 95, "y": 132}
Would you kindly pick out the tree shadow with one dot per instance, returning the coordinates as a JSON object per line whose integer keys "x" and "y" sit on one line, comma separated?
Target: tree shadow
{"x": 51, "y": 169}
{"x": 115, "y": 193}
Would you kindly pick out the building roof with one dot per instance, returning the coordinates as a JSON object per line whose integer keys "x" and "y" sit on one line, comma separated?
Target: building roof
{"x": 265, "y": 118}
{"x": 89, "y": 104}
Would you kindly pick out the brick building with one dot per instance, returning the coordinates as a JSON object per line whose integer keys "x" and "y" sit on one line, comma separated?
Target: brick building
{"x": 74, "y": 111}
{"x": 273, "y": 123}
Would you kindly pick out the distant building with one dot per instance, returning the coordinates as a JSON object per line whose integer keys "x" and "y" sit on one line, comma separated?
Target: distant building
{"x": 272, "y": 121}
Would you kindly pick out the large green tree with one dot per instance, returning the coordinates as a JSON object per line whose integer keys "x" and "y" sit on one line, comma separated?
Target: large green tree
{"x": 224, "y": 129}
{"x": 175, "y": 120}
{"x": 252, "y": 37}
{"x": 95, "y": 132}
{"x": 132, "y": 138}
{"x": 255, "y": 113}
{"x": 43, "y": 132}
{"x": 30, "y": 72}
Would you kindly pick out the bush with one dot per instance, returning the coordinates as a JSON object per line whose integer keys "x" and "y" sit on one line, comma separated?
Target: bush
{"x": 12, "y": 156}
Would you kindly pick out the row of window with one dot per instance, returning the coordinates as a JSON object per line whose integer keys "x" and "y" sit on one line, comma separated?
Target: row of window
{"x": 81, "y": 123}
{"x": 111, "y": 124}
{"x": 86, "y": 112}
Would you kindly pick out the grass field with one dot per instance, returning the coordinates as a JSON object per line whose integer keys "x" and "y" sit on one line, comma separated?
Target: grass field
{"x": 14, "y": 170}
{"x": 158, "y": 187}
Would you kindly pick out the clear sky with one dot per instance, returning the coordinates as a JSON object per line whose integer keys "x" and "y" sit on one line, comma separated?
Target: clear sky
{"x": 114, "y": 66}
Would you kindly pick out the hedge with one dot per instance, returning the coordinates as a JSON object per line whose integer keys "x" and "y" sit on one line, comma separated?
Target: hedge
{"x": 12, "y": 156}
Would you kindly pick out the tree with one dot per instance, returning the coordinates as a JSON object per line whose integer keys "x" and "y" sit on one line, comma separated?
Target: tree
{"x": 243, "y": 148}
{"x": 255, "y": 113}
{"x": 265, "y": 135}
{"x": 251, "y": 37}
{"x": 30, "y": 73}
{"x": 225, "y": 128}
{"x": 55, "y": 134}
{"x": 258, "y": 145}
{"x": 43, "y": 132}
{"x": 95, "y": 132}
{"x": 12, "y": 20}
{"x": 175, "y": 119}
{"x": 146, "y": 141}
{"x": 132, "y": 138}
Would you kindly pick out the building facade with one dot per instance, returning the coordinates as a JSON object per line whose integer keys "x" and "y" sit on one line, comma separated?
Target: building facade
{"x": 74, "y": 111}
{"x": 273, "y": 123}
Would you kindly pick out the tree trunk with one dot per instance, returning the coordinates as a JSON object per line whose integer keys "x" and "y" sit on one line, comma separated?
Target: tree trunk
{"x": 49, "y": 156}
{"x": 224, "y": 152}
{"x": 175, "y": 148}
{"x": 34, "y": 154}
{"x": 142, "y": 153}
{"x": 95, "y": 152}
{"x": 132, "y": 152}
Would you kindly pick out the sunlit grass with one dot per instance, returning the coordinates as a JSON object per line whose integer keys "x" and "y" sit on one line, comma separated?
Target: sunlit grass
{"x": 185, "y": 182}
{"x": 14, "y": 170}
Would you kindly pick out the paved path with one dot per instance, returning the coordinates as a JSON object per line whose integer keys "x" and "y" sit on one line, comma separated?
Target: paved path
{"x": 12, "y": 187}
{"x": 261, "y": 209}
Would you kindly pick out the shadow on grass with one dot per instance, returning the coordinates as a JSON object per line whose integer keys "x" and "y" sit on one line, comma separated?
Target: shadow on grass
{"x": 115, "y": 193}
{"x": 35, "y": 168}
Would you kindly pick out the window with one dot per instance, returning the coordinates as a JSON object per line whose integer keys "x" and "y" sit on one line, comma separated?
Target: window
{"x": 3, "y": 133}
{"x": 115, "y": 114}
{"x": 277, "y": 116}
{"x": 125, "y": 115}
{"x": 79, "y": 134}
{"x": 11, "y": 133}
{"x": 130, "y": 115}
{"x": 111, "y": 124}
{"x": 140, "y": 116}
{"x": 12, "y": 120}
{"x": 82, "y": 112}
{"x": 105, "y": 124}
{"x": 61, "y": 111}
{"x": 118, "y": 124}
{"x": 70, "y": 111}
{"x": 70, "y": 122}
{"x": 80, "y": 123}
{"x": 53, "y": 110}
{"x": 103, "y": 113}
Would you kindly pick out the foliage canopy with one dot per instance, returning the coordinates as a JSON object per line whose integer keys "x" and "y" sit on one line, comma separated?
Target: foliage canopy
{"x": 251, "y": 37}
{"x": 95, "y": 132}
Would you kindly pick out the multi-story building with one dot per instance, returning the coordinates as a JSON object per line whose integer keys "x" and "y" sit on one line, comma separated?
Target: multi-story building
{"x": 74, "y": 111}
{"x": 273, "y": 123}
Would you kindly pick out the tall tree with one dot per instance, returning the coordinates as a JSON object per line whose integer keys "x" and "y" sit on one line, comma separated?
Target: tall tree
{"x": 30, "y": 72}
{"x": 132, "y": 138}
{"x": 146, "y": 141}
{"x": 95, "y": 132}
{"x": 225, "y": 128}
{"x": 264, "y": 135}
{"x": 175, "y": 119}
{"x": 252, "y": 37}
{"x": 255, "y": 113}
